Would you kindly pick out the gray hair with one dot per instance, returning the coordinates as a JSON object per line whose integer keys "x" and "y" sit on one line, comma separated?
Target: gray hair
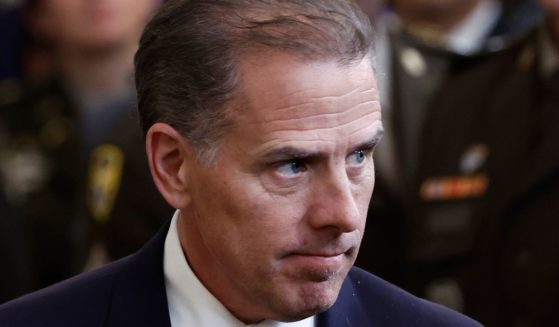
{"x": 186, "y": 64}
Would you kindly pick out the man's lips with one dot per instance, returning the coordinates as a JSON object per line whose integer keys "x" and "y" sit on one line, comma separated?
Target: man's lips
{"x": 317, "y": 266}
{"x": 322, "y": 259}
{"x": 335, "y": 250}
{"x": 319, "y": 261}
{"x": 324, "y": 254}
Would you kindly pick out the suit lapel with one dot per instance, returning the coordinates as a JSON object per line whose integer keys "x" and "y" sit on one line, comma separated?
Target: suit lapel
{"x": 139, "y": 297}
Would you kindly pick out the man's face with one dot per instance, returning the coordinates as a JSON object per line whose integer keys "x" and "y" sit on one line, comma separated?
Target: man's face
{"x": 92, "y": 24}
{"x": 274, "y": 225}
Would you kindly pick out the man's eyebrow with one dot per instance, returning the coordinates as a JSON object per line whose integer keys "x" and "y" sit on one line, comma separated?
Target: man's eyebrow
{"x": 292, "y": 153}
{"x": 370, "y": 144}
{"x": 288, "y": 153}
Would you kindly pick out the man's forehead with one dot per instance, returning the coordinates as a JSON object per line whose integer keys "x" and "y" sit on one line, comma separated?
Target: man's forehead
{"x": 307, "y": 106}
{"x": 281, "y": 84}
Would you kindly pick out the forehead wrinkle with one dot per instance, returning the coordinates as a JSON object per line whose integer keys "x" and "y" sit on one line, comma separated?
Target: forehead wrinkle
{"x": 314, "y": 134}
{"x": 379, "y": 131}
{"x": 337, "y": 127}
{"x": 326, "y": 101}
{"x": 308, "y": 93}
{"x": 309, "y": 109}
{"x": 329, "y": 119}
{"x": 304, "y": 114}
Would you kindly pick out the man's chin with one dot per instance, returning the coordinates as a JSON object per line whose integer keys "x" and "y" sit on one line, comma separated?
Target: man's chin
{"x": 316, "y": 297}
{"x": 310, "y": 307}
{"x": 312, "y": 292}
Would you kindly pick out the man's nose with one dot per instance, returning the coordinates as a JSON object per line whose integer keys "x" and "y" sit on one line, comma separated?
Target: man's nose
{"x": 335, "y": 204}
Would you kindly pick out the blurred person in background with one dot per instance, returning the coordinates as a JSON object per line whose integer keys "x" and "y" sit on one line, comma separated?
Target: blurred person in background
{"x": 488, "y": 183}
{"x": 78, "y": 85}
{"x": 421, "y": 44}
{"x": 472, "y": 208}
{"x": 15, "y": 274}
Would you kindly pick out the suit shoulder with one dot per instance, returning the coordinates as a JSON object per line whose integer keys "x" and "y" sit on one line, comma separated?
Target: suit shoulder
{"x": 396, "y": 307}
{"x": 83, "y": 298}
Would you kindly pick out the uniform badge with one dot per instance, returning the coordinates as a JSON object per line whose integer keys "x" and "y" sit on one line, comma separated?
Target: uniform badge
{"x": 104, "y": 180}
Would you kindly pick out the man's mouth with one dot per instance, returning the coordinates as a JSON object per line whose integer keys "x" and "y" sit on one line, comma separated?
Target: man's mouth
{"x": 320, "y": 265}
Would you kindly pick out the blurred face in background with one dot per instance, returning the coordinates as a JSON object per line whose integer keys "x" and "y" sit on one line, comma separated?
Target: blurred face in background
{"x": 90, "y": 24}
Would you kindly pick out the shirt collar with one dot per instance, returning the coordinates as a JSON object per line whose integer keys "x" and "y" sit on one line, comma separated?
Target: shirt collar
{"x": 190, "y": 303}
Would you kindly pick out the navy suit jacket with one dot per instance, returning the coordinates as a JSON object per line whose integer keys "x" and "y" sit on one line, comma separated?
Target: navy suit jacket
{"x": 131, "y": 292}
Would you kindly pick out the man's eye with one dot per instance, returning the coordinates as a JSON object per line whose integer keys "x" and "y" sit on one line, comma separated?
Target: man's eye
{"x": 292, "y": 168}
{"x": 357, "y": 157}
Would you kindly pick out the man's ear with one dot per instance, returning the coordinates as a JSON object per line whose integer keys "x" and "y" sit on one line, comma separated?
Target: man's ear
{"x": 168, "y": 155}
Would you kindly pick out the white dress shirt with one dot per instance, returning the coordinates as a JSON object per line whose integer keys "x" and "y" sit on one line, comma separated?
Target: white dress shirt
{"x": 190, "y": 303}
